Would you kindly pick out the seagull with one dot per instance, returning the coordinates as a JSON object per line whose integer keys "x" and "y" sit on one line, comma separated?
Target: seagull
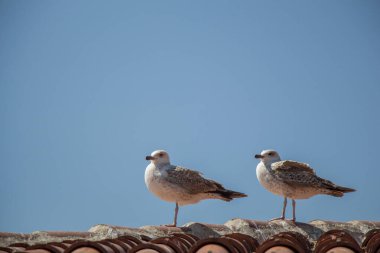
{"x": 292, "y": 179}
{"x": 180, "y": 185}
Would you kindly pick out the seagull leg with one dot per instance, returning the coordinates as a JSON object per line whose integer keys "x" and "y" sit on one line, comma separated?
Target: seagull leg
{"x": 283, "y": 211}
{"x": 294, "y": 210}
{"x": 175, "y": 216}
{"x": 284, "y": 208}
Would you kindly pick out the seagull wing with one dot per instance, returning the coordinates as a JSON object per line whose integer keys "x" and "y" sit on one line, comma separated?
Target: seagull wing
{"x": 301, "y": 174}
{"x": 293, "y": 172}
{"x": 191, "y": 180}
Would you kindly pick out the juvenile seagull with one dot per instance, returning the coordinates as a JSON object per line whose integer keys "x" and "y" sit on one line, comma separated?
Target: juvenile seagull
{"x": 293, "y": 180}
{"x": 180, "y": 185}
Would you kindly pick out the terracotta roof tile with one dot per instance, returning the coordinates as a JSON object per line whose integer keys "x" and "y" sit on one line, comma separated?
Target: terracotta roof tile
{"x": 5, "y": 250}
{"x": 50, "y": 247}
{"x": 249, "y": 242}
{"x": 92, "y": 247}
{"x": 224, "y": 244}
{"x": 236, "y": 236}
{"x": 291, "y": 241}
{"x": 333, "y": 239}
{"x": 371, "y": 244}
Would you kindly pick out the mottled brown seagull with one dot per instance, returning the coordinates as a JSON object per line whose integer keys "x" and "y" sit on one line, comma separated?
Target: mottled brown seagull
{"x": 292, "y": 179}
{"x": 180, "y": 185}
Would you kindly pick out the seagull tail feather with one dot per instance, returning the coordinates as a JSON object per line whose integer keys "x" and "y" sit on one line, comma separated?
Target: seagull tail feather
{"x": 338, "y": 191}
{"x": 345, "y": 189}
{"x": 228, "y": 195}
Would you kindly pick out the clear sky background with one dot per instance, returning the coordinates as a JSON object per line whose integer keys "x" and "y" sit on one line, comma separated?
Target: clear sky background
{"x": 89, "y": 88}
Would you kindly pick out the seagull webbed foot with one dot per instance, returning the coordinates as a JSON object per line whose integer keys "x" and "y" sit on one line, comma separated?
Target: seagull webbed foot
{"x": 170, "y": 225}
{"x": 279, "y": 218}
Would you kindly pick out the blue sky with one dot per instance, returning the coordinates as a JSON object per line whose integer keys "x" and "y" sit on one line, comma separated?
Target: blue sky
{"x": 89, "y": 88}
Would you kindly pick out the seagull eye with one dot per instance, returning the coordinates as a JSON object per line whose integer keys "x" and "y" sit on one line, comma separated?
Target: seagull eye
{"x": 270, "y": 154}
{"x": 161, "y": 155}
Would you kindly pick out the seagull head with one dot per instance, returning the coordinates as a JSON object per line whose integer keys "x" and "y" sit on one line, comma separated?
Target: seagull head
{"x": 158, "y": 157}
{"x": 268, "y": 156}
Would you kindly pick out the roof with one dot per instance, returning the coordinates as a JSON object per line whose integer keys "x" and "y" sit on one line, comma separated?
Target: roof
{"x": 236, "y": 236}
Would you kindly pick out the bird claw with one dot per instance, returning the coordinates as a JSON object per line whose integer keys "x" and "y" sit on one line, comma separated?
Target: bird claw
{"x": 279, "y": 218}
{"x": 283, "y": 218}
{"x": 170, "y": 225}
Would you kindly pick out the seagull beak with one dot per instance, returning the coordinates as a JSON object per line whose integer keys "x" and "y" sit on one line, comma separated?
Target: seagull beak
{"x": 259, "y": 156}
{"x": 148, "y": 157}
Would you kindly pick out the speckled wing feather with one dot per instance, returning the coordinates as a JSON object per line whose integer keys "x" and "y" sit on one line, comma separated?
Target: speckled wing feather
{"x": 192, "y": 181}
{"x": 292, "y": 167}
{"x": 293, "y": 172}
{"x": 301, "y": 174}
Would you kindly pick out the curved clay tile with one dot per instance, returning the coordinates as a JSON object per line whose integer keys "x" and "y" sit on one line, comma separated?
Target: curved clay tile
{"x": 40, "y": 250}
{"x": 174, "y": 243}
{"x": 20, "y": 245}
{"x": 45, "y": 247}
{"x": 114, "y": 246}
{"x": 59, "y": 244}
{"x": 89, "y": 247}
{"x": 186, "y": 241}
{"x": 69, "y": 242}
{"x": 237, "y": 244}
{"x": 145, "y": 238}
{"x": 128, "y": 244}
{"x": 371, "y": 244}
{"x": 219, "y": 245}
{"x": 181, "y": 242}
{"x": 16, "y": 247}
{"x": 188, "y": 237}
{"x": 125, "y": 247}
{"x": 5, "y": 250}
{"x": 148, "y": 247}
{"x": 215, "y": 248}
{"x": 285, "y": 242}
{"x": 249, "y": 242}
{"x": 130, "y": 240}
{"x": 338, "y": 241}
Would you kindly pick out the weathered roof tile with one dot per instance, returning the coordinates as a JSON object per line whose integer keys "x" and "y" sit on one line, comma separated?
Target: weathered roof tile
{"x": 237, "y": 236}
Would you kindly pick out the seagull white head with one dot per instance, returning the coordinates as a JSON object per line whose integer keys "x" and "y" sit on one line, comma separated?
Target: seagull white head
{"x": 268, "y": 156}
{"x": 158, "y": 157}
